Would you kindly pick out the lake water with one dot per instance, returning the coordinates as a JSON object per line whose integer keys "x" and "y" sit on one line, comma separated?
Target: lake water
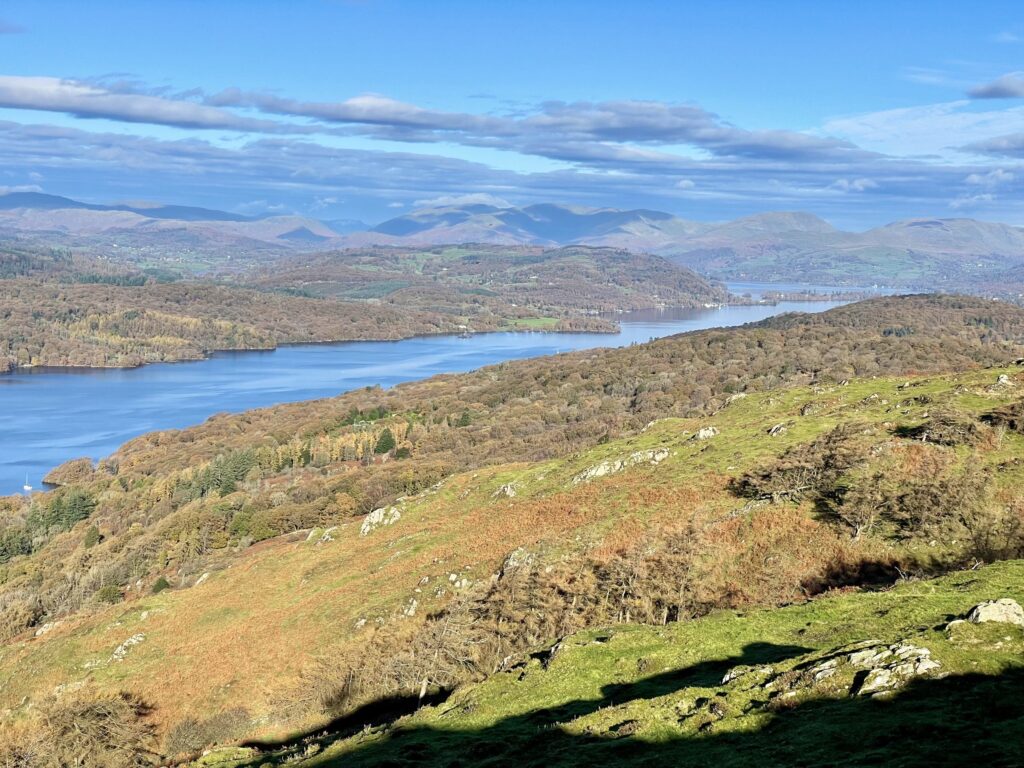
{"x": 51, "y": 416}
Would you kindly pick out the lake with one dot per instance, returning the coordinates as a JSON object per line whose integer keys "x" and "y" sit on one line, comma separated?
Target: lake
{"x": 50, "y": 416}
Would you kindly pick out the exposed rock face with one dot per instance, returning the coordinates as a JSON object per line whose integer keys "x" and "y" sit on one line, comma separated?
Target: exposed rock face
{"x": 1006, "y": 611}
{"x": 378, "y": 518}
{"x": 611, "y": 466}
{"x": 705, "y": 433}
{"x": 778, "y": 429}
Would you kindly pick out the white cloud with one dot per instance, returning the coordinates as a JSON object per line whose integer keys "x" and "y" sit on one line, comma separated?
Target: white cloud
{"x": 854, "y": 185}
{"x": 935, "y": 130}
{"x": 396, "y": 205}
{"x": 971, "y": 201}
{"x": 479, "y": 198}
{"x": 685, "y": 184}
{"x": 990, "y": 179}
{"x": 20, "y": 188}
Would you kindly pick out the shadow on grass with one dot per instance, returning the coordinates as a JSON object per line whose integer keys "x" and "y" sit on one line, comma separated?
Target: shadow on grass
{"x": 970, "y": 720}
{"x": 380, "y": 712}
{"x": 955, "y": 721}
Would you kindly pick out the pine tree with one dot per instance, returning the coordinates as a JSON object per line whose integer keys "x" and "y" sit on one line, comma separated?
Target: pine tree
{"x": 385, "y": 443}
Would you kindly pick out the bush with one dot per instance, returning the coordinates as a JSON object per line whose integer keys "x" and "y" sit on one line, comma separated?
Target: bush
{"x": 160, "y": 585}
{"x": 94, "y": 732}
{"x": 192, "y": 735}
{"x": 109, "y": 594}
{"x": 92, "y": 537}
{"x": 809, "y": 470}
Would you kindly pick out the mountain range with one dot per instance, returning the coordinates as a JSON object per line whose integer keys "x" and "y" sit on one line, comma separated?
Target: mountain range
{"x": 768, "y": 247}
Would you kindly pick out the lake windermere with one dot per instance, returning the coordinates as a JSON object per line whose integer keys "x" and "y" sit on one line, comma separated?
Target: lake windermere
{"x": 50, "y": 416}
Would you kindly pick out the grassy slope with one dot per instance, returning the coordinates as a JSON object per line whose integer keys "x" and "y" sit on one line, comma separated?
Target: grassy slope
{"x": 632, "y": 694}
{"x": 281, "y": 603}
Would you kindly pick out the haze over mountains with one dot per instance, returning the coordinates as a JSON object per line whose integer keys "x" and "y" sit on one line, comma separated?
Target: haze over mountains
{"x": 770, "y": 247}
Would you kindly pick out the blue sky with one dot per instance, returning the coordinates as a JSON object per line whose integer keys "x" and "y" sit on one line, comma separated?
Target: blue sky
{"x": 860, "y": 112}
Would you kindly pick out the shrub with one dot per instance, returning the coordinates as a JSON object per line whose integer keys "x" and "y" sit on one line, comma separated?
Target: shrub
{"x": 808, "y": 470}
{"x": 95, "y": 732}
{"x": 192, "y": 735}
{"x": 92, "y": 537}
{"x": 160, "y": 585}
{"x": 109, "y": 594}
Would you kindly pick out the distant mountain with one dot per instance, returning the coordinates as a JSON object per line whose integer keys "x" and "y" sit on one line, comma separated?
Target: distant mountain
{"x": 170, "y": 228}
{"x": 40, "y": 201}
{"x": 544, "y": 224}
{"x": 781, "y": 246}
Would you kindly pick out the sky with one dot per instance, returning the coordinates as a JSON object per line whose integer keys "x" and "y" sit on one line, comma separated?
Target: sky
{"x": 862, "y": 113}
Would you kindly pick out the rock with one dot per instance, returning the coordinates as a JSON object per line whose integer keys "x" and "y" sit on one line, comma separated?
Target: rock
{"x": 328, "y": 535}
{"x": 378, "y": 518}
{"x": 778, "y": 429}
{"x": 410, "y": 609}
{"x": 1003, "y": 380}
{"x": 508, "y": 490}
{"x": 1005, "y": 610}
{"x": 122, "y": 650}
{"x": 202, "y": 579}
{"x": 611, "y": 466}
{"x": 705, "y": 433}
{"x": 520, "y": 557}
{"x": 47, "y": 627}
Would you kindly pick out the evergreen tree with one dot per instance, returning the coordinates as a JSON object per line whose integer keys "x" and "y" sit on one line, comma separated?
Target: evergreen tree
{"x": 385, "y": 443}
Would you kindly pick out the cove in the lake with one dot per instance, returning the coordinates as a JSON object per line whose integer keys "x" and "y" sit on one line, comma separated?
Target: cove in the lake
{"x": 50, "y": 417}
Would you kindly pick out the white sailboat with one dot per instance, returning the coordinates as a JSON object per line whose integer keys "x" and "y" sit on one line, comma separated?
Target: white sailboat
{"x": 26, "y": 487}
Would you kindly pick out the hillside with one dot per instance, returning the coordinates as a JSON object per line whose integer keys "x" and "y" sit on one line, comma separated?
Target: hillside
{"x": 326, "y": 555}
{"x": 477, "y": 281}
{"x": 61, "y": 309}
{"x": 794, "y": 685}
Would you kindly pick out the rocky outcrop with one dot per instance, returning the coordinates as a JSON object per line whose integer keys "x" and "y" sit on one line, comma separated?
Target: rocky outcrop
{"x": 611, "y": 466}
{"x": 864, "y": 669}
{"x": 379, "y": 518}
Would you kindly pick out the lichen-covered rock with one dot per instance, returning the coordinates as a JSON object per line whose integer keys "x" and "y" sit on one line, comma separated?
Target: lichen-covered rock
{"x": 611, "y": 466}
{"x": 379, "y": 518}
{"x": 705, "y": 433}
{"x": 1005, "y": 611}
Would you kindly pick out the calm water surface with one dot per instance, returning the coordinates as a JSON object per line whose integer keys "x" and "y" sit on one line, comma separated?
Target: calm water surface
{"x": 48, "y": 417}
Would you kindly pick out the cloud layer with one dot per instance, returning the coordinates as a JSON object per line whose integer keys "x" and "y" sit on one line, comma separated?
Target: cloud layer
{"x": 683, "y": 157}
